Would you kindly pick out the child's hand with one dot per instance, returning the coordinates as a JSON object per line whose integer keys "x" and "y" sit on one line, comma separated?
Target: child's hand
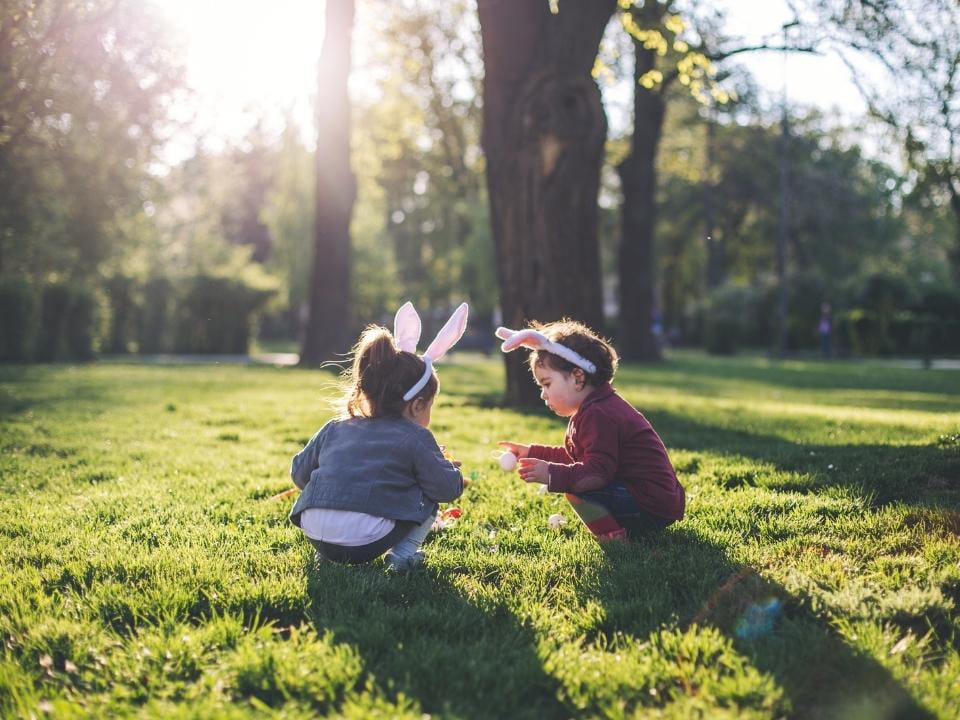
{"x": 534, "y": 470}
{"x": 521, "y": 451}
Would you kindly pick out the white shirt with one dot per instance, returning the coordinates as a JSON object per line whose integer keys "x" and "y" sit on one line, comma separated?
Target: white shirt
{"x": 344, "y": 527}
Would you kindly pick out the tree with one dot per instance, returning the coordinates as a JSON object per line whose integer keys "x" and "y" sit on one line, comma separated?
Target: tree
{"x": 328, "y": 323}
{"x": 288, "y": 215}
{"x": 544, "y": 131}
{"x": 918, "y": 47}
{"x": 85, "y": 92}
{"x": 425, "y": 126}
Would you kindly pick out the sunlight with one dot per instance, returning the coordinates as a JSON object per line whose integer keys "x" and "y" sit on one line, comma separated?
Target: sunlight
{"x": 248, "y": 58}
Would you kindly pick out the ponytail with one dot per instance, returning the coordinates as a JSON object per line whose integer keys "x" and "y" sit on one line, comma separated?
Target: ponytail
{"x": 381, "y": 374}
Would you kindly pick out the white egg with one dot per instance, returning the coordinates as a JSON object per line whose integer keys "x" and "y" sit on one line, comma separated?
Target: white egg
{"x": 508, "y": 461}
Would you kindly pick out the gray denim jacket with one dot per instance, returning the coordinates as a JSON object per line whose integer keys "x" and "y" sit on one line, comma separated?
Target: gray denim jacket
{"x": 387, "y": 467}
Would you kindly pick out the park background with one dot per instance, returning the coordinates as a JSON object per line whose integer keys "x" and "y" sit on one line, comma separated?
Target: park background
{"x": 191, "y": 194}
{"x": 162, "y": 166}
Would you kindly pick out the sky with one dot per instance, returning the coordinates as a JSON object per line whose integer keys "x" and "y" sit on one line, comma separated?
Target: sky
{"x": 262, "y": 56}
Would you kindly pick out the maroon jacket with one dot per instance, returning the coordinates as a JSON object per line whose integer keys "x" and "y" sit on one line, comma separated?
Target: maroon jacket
{"x": 609, "y": 439}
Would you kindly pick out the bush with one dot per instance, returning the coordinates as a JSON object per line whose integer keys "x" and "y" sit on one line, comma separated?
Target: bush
{"x": 154, "y": 331}
{"x": 119, "y": 290}
{"x": 938, "y": 313}
{"x": 69, "y": 314}
{"x": 730, "y": 318}
{"x": 17, "y": 319}
{"x": 217, "y": 314}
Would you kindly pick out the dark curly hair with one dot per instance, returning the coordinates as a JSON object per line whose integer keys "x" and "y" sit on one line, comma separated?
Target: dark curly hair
{"x": 381, "y": 374}
{"x": 582, "y": 340}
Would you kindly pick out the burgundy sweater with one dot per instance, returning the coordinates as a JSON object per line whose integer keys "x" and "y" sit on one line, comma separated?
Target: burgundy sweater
{"x": 608, "y": 439}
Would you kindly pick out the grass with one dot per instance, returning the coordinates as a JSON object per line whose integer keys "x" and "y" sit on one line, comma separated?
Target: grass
{"x": 146, "y": 572}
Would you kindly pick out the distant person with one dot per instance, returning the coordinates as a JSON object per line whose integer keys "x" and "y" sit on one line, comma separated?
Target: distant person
{"x": 612, "y": 466}
{"x": 656, "y": 328}
{"x": 372, "y": 478}
{"x": 824, "y": 329}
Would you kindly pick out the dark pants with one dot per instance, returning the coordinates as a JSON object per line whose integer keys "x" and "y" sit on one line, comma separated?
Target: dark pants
{"x": 358, "y": 554}
{"x": 618, "y": 501}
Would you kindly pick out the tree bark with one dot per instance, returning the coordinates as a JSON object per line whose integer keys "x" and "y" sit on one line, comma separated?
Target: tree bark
{"x": 328, "y": 321}
{"x": 638, "y": 177}
{"x": 544, "y": 131}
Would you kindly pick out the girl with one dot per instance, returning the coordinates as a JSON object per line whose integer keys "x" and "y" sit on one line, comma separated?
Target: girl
{"x": 372, "y": 478}
{"x": 613, "y": 466}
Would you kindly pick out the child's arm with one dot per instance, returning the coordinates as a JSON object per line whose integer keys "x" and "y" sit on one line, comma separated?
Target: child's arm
{"x": 550, "y": 453}
{"x": 601, "y": 456}
{"x": 307, "y": 460}
{"x": 440, "y": 479}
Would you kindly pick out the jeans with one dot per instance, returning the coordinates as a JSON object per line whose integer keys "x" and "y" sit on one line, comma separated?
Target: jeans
{"x": 403, "y": 542}
{"x": 621, "y": 504}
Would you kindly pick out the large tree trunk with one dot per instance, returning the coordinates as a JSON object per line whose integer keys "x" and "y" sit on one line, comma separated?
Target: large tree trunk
{"x": 329, "y": 310}
{"x": 544, "y": 131}
{"x": 638, "y": 177}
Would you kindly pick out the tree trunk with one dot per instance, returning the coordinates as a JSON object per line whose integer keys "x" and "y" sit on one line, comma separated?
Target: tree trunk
{"x": 638, "y": 177}
{"x": 544, "y": 131}
{"x": 328, "y": 321}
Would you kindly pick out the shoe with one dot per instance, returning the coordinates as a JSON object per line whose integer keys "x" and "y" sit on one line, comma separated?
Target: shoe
{"x": 613, "y": 536}
{"x": 395, "y": 563}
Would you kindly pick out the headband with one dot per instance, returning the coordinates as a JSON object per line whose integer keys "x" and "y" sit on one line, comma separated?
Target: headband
{"x": 406, "y": 331}
{"x": 530, "y": 338}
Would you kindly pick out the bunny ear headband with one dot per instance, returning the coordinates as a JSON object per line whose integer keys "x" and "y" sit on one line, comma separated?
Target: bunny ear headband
{"x": 530, "y": 338}
{"x": 406, "y": 331}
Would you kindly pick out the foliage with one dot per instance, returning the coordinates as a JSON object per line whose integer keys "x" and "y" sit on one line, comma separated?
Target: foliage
{"x": 424, "y": 127}
{"x": 70, "y": 322}
{"x": 815, "y": 573}
{"x": 287, "y": 213}
{"x": 216, "y": 314}
{"x": 155, "y": 316}
{"x": 680, "y": 47}
{"x": 18, "y": 303}
{"x": 914, "y": 52}
{"x": 85, "y": 89}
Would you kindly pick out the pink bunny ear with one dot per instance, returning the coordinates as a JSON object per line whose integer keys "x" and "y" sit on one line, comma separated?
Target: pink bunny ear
{"x": 449, "y": 334}
{"x": 406, "y": 327}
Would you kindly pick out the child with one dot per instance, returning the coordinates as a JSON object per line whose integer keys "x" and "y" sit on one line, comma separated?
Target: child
{"x": 372, "y": 478}
{"x": 613, "y": 466}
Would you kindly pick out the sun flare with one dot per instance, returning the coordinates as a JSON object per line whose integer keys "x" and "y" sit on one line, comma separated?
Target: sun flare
{"x": 249, "y": 57}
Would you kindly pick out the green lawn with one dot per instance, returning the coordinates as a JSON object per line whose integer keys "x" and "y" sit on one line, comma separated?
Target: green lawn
{"x": 146, "y": 571}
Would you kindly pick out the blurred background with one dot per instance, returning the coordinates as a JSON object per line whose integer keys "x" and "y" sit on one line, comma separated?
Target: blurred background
{"x": 771, "y": 175}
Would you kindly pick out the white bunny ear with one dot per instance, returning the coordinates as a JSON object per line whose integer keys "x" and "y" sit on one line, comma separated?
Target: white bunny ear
{"x": 523, "y": 338}
{"x": 449, "y": 334}
{"x": 406, "y": 327}
{"x": 534, "y": 340}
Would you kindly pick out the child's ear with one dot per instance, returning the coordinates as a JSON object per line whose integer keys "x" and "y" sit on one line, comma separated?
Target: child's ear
{"x": 579, "y": 378}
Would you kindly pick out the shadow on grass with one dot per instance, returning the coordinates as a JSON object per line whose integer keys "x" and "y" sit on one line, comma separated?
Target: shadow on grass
{"x": 714, "y": 371}
{"x": 678, "y": 580}
{"x": 923, "y": 475}
{"x": 419, "y": 636}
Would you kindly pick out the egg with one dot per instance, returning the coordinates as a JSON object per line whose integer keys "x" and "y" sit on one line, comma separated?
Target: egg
{"x": 508, "y": 461}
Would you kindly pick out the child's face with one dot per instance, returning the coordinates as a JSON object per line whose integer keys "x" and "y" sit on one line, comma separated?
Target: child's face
{"x": 563, "y": 392}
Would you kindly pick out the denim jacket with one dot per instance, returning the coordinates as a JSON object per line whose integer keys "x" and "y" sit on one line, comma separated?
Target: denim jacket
{"x": 387, "y": 467}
